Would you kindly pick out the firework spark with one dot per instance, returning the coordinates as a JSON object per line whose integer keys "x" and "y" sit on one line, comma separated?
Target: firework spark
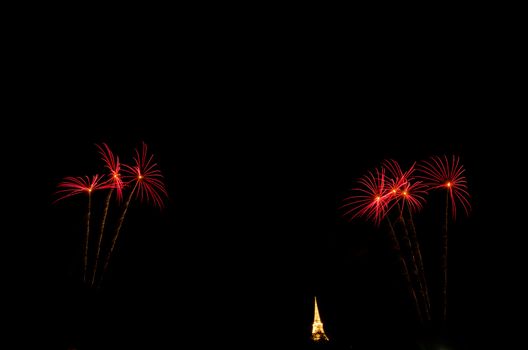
{"x": 147, "y": 177}
{"x": 114, "y": 169}
{"x": 72, "y": 186}
{"x": 441, "y": 172}
{"x": 404, "y": 188}
{"x": 396, "y": 175}
{"x": 372, "y": 199}
{"x": 412, "y": 196}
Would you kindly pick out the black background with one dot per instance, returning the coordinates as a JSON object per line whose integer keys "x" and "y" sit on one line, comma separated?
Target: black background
{"x": 259, "y": 137}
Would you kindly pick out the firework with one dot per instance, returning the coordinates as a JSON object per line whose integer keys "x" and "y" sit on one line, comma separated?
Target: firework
{"x": 408, "y": 193}
{"x": 114, "y": 182}
{"x": 72, "y": 186}
{"x": 403, "y": 187}
{"x": 412, "y": 198}
{"x": 148, "y": 186}
{"x": 443, "y": 173}
{"x": 372, "y": 199}
{"x": 440, "y": 172}
{"x": 113, "y": 166}
{"x": 397, "y": 177}
{"x": 147, "y": 178}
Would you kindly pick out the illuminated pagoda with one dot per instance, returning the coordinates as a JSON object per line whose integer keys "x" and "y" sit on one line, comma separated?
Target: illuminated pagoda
{"x": 318, "y": 334}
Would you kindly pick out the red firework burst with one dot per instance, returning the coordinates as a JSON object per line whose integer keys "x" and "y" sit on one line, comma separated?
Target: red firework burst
{"x": 114, "y": 167}
{"x": 372, "y": 198}
{"x": 397, "y": 178}
{"x": 72, "y": 186}
{"x": 397, "y": 175}
{"x": 439, "y": 172}
{"x": 147, "y": 177}
{"x": 403, "y": 188}
{"x": 412, "y": 195}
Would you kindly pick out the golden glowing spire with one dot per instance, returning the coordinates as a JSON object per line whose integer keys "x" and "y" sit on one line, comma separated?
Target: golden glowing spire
{"x": 318, "y": 333}
{"x": 317, "y": 318}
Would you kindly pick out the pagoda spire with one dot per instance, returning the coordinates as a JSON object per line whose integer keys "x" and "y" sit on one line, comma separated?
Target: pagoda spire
{"x": 318, "y": 334}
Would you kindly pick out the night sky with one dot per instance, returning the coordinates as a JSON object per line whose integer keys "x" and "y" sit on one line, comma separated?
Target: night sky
{"x": 258, "y": 149}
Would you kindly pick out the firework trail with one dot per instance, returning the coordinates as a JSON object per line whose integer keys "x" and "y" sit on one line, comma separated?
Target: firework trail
{"x": 404, "y": 270}
{"x": 148, "y": 186}
{"x": 72, "y": 186}
{"x": 444, "y": 173}
{"x": 114, "y": 183}
{"x": 418, "y": 254}
{"x": 413, "y": 261}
